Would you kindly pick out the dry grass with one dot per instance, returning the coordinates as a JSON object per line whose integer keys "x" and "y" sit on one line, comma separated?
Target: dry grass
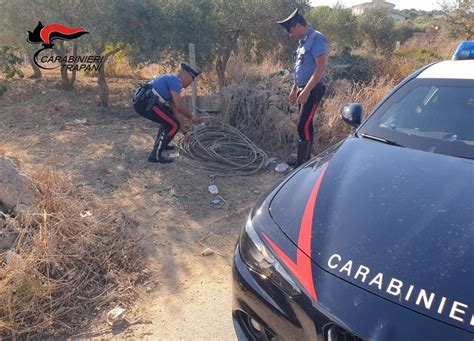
{"x": 331, "y": 128}
{"x": 262, "y": 112}
{"x": 154, "y": 70}
{"x": 67, "y": 265}
{"x": 410, "y": 58}
{"x": 238, "y": 71}
{"x": 206, "y": 82}
{"x": 118, "y": 66}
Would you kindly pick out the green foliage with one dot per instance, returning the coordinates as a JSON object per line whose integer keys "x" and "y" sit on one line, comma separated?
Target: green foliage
{"x": 191, "y": 22}
{"x": 458, "y": 18}
{"x": 377, "y": 29}
{"x": 403, "y": 31}
{"x": 419, "y": 56}
{"x": 139, "y": 28}
{"x": 415, "y": 13}
{"x": 250, "y": 28}
{"x": 337, "y": 23}
{"x": 404, "y": 61}
{"x": 352, "y": 67}
{"x": 421, "y": 26}
{"x": 9, "y": 63}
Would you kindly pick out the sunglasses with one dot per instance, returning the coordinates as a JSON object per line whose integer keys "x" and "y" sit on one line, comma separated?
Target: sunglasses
{"x": 290, "y": 27}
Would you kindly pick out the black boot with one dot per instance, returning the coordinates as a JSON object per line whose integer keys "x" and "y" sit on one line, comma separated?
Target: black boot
{"x": 168, "y": 147}
{"x": 160, "y": 145}
{"x": 292, "y": 162}
{"x": 308, "y": 150}
{"x": 304, "y": 152}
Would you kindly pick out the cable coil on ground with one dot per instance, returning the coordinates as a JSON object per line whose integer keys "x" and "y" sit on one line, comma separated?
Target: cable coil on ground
{"x": 224, "y": 149}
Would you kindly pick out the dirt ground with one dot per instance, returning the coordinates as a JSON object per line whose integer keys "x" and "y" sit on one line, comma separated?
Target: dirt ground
{"x": 188, "y": 296}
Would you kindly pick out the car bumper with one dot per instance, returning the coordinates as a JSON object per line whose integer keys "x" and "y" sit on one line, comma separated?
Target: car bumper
{"x": 279, "y": 316}
{"x": 343, "y": 312}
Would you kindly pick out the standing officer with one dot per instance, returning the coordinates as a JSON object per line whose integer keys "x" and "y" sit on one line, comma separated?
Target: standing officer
{"x": 160, "y": 101}
{"x": 308, "y": 89}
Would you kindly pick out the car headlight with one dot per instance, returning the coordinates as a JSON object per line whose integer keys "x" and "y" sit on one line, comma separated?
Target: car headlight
{"x": 256, "y": 255}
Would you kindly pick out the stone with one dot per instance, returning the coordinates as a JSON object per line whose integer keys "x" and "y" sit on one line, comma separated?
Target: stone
{"x": 7, "y": 239}
{"x": 13, "y": 258}
{"x": 282, "y": 167}
{"x": 210, "y": 103}
{"x": 116, "y": 316}
{"x": 17, "y": 191}
{"x": 207, "y": 252}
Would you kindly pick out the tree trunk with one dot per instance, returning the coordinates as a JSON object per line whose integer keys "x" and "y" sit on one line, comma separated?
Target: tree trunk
{"x": 102, "y": 80}
{"x": 74, "y": 72}
{"x": 220, "y": 69}
{"x": 36, "y": 70}
{"x": 221, "y": 62}
{"x": 374, "y": 43}
{"x": 65, "y": 82}
{"x": 103, "y": 87}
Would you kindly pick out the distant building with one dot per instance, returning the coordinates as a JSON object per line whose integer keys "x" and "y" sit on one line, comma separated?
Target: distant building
{"x": 392, "y": 12}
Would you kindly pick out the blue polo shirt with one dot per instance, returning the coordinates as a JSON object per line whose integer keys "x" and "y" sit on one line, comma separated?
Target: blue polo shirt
{"x": 165, "y": 84}
{"x": 313, "y": 45}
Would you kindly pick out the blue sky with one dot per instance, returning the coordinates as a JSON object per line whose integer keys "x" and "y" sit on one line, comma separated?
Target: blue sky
{"x": 426, "y": 5}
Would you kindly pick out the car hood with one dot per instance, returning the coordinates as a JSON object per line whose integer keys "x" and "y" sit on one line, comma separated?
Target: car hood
{"x": 393, "y": 221}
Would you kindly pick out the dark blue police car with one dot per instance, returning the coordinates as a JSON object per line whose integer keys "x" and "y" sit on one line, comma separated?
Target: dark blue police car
{"x": 374, "y": 238}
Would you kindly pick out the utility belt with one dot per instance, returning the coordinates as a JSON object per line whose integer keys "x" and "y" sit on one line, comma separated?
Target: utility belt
{"x": 146, "y": 93}
{"x": 303, "y": 86}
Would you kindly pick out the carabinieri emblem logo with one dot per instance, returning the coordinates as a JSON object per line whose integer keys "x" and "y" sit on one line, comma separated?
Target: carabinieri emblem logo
{"x": 47, "y": 34}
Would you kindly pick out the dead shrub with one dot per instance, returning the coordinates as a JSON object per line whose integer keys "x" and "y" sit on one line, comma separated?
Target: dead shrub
{"x": 118, "y": 66}
{"x": 331, "y": 128}
{"x": 238, "y": 71}
{"x": 71, "y": 258}
{"x": 262, "y": 112}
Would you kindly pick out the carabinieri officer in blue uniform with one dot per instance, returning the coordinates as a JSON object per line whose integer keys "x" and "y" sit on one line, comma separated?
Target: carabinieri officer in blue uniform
{"x": 160, "y": 101}
{"x": 308, "y": 89}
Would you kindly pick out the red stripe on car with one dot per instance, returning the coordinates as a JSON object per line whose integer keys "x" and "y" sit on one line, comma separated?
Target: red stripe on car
{"x": 302, "y": 269}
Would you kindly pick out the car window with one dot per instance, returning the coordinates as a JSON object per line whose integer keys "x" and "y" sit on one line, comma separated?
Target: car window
{"x": 434, "y": 111}
{"x": 429, "y": 114}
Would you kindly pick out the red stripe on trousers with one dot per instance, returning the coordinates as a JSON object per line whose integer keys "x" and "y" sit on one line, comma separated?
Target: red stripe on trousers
{"x": 174, "y": 125}
{"x": 310, "y": 117}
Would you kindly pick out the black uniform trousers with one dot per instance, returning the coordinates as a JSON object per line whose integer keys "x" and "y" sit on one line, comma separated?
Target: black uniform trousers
{"x": 160, "y": 113}
{"x": 307, "y": 110}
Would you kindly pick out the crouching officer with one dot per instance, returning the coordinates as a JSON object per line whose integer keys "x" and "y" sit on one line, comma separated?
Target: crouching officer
{"x": 308, "y": 88}
{"x": 160, "y": 101}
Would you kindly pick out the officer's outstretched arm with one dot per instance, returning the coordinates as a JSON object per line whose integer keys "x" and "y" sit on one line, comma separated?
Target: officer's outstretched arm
{"x": 179, "y": 107}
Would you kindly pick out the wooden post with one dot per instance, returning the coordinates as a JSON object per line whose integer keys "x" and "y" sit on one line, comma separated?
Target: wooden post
{"x": 192, "y": 62}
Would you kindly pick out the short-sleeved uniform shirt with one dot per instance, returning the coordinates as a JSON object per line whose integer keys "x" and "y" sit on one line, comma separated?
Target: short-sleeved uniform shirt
{"x": 165, "y": 84}
{"x": 313, "y": 45}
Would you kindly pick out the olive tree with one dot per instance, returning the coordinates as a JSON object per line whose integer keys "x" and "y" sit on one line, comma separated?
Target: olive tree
{"x": 377, "y": 29}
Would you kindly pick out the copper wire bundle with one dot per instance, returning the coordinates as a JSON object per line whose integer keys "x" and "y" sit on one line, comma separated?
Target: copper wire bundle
{"x": 219, "y": 147}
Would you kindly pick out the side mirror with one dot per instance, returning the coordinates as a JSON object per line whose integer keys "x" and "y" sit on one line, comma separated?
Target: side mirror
{"x": 352, "y": 113}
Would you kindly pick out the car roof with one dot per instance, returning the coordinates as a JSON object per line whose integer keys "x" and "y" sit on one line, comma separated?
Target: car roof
{"x": 450, "y": 69}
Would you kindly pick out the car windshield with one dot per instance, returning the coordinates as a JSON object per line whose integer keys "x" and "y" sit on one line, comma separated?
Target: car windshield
{"x": 434, "y": 115}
